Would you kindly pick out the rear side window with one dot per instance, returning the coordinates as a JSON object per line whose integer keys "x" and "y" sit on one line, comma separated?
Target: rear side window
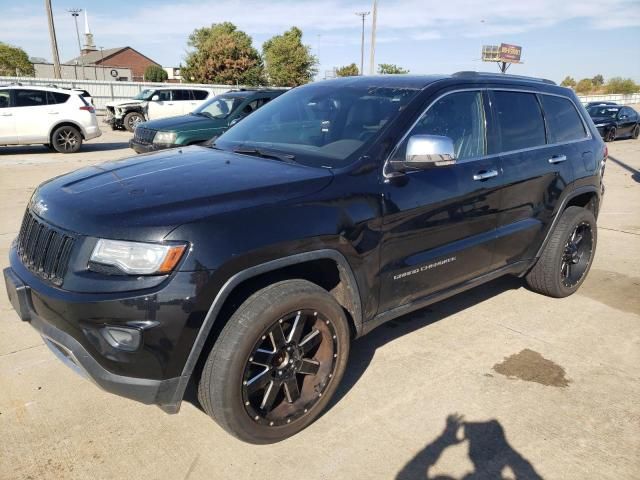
{"x": 4, "y": 98}
{"x": 181, "y": 95}
{"x": 563, "y": 121}
{"x": 54, "y": 98}
{"x": 519, "y": 120}
{"x": 30, "y": 98}
{"x": 200, "y": 94}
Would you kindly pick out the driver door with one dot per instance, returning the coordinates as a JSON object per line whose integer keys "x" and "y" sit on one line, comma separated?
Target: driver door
{"x": 161, "y": 105}
{"x": 439, "y": 223}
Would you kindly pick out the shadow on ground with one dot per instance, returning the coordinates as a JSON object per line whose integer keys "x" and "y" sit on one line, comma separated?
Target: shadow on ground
{"x": 490, "y": 453}
{"x": 635, "y": 174}
{"x": 42, "y": 149}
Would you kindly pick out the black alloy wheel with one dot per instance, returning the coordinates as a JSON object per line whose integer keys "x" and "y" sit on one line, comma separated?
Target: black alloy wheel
{"x": 66, "y": 139}
{"x": 636, "y": 132}
{"x": 610, "y": 136}
{"x": 289, "y": 368}
{"x": 577, "y": 255}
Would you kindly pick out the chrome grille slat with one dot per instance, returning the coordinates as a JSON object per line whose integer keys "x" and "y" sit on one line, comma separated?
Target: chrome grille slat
{"x": 43, "y": 249}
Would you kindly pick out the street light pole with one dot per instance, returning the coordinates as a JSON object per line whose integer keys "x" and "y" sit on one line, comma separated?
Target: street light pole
{"x": 362, "y": 14}
{"x": 75, "y": 12}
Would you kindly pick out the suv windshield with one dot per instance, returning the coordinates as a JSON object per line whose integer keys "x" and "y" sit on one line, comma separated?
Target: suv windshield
{"x": 220, "y": 106}
{"x": 144, "y": 94}
{"x": 603, "y": 111}
{"x": 321, "y": 125}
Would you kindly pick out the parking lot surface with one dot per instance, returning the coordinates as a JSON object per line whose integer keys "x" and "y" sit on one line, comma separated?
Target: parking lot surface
{"x": 497, "y": 380}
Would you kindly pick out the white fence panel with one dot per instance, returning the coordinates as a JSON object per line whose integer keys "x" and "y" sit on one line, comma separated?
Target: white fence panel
{"x": 623, "y": 99}
{"x": 104, "y": 92}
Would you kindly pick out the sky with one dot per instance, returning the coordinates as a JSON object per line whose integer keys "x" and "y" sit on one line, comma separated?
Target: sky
{"x": 580, "y": 38}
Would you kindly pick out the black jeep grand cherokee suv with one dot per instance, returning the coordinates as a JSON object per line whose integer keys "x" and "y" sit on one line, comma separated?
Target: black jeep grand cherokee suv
{"x": 248, "y": 267}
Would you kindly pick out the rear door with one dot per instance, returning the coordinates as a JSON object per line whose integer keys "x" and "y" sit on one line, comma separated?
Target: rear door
{"x": 626, "y": 121}
{"x": 537, "y": 159}
{"x": 7, "y": 119}
{"x": 440, "y": 223}
{"x": 33, "y": 116}
{"x": 196, "y": 98}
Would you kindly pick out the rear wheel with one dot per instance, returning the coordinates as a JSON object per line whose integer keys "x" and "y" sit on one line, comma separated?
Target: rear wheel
{"x": 610, "y": 136}
{"x": 66, "y": 139}
{"x": 276, "y": 363}
{"x": 635, "y": 133}
{"x": 131, "y": 120}
{"x": 567, "y": 257}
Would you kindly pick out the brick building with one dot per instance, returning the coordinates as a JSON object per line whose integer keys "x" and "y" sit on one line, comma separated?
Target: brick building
{"x": 124, "y": 57}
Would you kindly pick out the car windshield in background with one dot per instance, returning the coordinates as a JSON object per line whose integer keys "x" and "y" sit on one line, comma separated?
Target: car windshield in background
{"x": 601, "y": 111}
{"x": 144, "y": 95}
{"x": 219, "y": 107}
{"x": 319, "y": 125}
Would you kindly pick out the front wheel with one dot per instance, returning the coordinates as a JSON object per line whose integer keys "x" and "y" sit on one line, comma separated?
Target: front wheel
{"x": 567, "y": 257}
{"x": 610, "y": 136}
{"x": 276, "y": 363}
{"x": 635, "y": 133}
{"x": 131, "y": 120}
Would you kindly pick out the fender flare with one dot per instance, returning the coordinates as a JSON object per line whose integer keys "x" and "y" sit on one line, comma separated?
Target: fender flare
{"x": 222, "y": 295}
{"x": 65, "y": 122}
{"x": 561, "y": 207}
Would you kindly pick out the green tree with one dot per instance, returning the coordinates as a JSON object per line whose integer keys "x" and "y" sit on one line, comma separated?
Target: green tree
{"x": 348, "y": 71}
{"x": 621, "y": 85}
{"x": 584, "y": 86}
{"x": 288, "y": 63}
{"x": 154, "y": 73}
{"x": 390, "y": 69}
{"x": 222, "y": 54}
{"x": 598, "y": 80}
{"x": 15, "y": 61}
{"x": 568, "y": 82}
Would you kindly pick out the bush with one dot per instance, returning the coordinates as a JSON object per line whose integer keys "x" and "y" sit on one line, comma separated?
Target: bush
{"x": 568, "y": 82}
{"x": 348, "y": 71}
{"x": 584, "y": 86}
{"x": 154, "y": 73}
{"x": 621, "y": 85}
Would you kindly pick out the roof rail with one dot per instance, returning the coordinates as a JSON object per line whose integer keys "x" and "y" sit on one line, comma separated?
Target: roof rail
{"x": 502, "y": 75}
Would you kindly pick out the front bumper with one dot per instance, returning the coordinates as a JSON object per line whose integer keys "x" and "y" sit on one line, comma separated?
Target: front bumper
{"x": 148, "y": 147}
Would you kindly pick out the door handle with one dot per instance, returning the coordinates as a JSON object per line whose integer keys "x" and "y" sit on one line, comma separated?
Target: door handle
{"x": 558, "y": 159}
{"x": 485, "y": 175}
{"x": 53, "y": 113}
{"x": 7, "y": 114}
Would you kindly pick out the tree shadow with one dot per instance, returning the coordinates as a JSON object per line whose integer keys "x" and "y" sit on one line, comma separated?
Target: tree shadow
{"x": 489, "y": 452}
{"x": 635, "y": 174}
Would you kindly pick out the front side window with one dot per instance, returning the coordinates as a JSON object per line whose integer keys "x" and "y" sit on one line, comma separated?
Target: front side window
{"x": 519, "y": 120}
{"x": 219, "y": 107}
{"x": 459, "y": 116}
{"x": 4, "y": 98}
{"x": 321, "y": 125}
{"x": 30, "y": 98}
{"x": 163, "y": 95}
{"x": 563, "y": 121}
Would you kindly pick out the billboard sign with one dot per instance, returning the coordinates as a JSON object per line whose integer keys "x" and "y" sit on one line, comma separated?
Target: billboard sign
{"x": 510, "y": 53}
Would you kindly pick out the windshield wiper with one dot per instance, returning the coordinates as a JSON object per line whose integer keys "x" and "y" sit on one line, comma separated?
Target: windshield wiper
{"x": 284, "y": 157}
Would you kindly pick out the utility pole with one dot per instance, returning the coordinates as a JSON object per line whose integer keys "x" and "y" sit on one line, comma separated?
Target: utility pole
{"x": 362, "y": 14}
{"x": 374, "y": 18}
{"x": 75, "y": 13}
{"x": 54, "y": 42}
{"x": 101, "y": 61}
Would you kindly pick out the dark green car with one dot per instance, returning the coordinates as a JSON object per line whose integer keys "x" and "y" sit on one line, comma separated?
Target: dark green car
{"x": 209, "y": 120}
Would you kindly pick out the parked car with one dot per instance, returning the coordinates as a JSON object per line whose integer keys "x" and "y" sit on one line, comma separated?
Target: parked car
{"x": 591, "y": 104}
{"x": 80, "y": 91}
{"x": 153, "y": 103}
{"x": 250, "y": 266}
{"x": 615, "y": 121}
{"x": 58, "y": 118}
{"x": 210, "y": 119}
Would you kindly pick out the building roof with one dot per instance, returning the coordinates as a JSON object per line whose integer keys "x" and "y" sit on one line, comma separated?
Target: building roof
{"x": 97, "y": 56}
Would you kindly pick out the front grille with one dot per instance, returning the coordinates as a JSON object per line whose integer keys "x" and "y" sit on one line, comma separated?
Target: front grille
{"x": 43, "y": 249}
{"x": 144, "y": 135}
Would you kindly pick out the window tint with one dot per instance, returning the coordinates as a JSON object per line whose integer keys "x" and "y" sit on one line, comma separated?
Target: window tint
{"x": 30, "y": 98}
{"x": 563, "y": 121}
{"x": 200, "y": 94}
{"x": 164, "y": 95}
{"x": 181, "y": 95}
{"x": 519, "y": 120}
{"x": 54, "y": 98}
{"x": 4, "y": 98}
{"x": 250, "y": 107}
{"x": 459, "y": 116}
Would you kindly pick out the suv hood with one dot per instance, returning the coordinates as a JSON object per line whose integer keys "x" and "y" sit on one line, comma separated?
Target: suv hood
{"x": 184, "y": 123}
{"x": 120, "y": 103}
{"x": 147, "y": 196}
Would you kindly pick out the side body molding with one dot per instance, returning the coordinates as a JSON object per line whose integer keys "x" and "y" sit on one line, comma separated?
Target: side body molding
{"x": 346, "y": 274}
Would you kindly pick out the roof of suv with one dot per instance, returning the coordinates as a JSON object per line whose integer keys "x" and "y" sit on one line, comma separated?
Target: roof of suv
{"x": 46, "y": 89}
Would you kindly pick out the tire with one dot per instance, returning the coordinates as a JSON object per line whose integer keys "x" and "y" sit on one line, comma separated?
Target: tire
{"x": 131, "y": 120}
{"x": 568, "y": 255}
{"x": 234, "y": 385}
{"x": 610, "y": 135}
{"x": 635, "y": 133}
{"x": 66, "y": 139}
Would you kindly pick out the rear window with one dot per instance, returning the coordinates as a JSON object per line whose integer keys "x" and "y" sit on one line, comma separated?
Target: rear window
{"x": 200, "y": 94}
{"x": 563, "y": 121}
{"x": 54, "y": 98}
{"x": 519, "y": 120}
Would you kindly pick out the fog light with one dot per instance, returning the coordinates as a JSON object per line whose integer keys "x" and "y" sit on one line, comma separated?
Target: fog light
{"x": 123, "y": 338}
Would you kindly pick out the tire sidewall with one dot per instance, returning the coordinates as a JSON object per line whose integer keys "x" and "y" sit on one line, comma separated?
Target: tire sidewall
{"x": 236, "y": 419}
{"x": 127, "y": 120}
{"x": 66, "y": 127}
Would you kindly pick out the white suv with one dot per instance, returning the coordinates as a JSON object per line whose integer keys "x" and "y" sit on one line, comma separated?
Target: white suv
{"x": 153, "y": 103}
{"x": 58, "y": 118}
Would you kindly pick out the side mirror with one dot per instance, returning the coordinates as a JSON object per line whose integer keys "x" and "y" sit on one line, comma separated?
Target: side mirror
{"x": 428, "y": 151}
{"x": 155, "y": 98}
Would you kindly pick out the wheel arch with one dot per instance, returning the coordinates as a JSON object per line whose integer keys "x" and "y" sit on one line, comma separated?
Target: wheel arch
{"x": 66, "y": 123}
{"x": 241, "y": 285}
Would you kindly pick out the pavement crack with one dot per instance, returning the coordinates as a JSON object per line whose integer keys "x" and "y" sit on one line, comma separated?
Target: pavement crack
{"x": 21, "y": 350}
{"x": 620, "y": 231}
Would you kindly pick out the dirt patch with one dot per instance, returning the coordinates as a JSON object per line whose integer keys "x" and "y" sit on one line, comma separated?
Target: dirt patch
{"x": 613, "y": 289}
{"x": 530, "y": 366}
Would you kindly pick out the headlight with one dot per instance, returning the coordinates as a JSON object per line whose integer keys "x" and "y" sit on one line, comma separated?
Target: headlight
{"x": 137, "y": 258}
{"x": 165, "y": 138}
